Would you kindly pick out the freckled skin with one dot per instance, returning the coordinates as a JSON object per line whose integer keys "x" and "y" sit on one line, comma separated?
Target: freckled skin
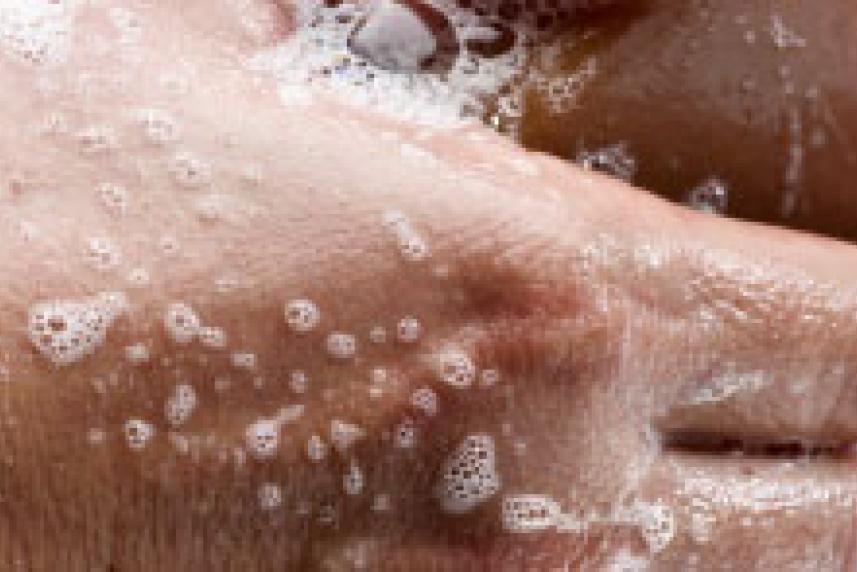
{"x": 594, "y": 339}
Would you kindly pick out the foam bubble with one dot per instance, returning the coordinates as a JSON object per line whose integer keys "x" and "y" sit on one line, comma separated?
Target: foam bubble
{"x": 425, "y": 399}
{"x": 66, "y": 331}
{"x": 408, "y": 330}
{"x": 302, "y": 315}
{"x": 262, "y": 438}
{"x": 469, "y": 475}
{"x": 412, "y": 246}
{"x": 182, "y": 323}
{"x": 529, "y": 513}
{"x": 341, "y": 345}
{"x": 138, "y": 433}
{"x": 180, "y": 404}
{"x": 455, "y": 368}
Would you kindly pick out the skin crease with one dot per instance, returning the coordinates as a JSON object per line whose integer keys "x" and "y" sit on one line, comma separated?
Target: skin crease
{"x": 604, "y": 309}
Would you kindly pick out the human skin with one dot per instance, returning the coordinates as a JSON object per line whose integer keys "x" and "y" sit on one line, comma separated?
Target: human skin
{"x": 707, "y": 89}
{"x": 605, "y": 311}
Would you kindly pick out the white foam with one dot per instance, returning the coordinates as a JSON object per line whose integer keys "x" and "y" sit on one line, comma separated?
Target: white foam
{"x": 66, "y": 331}
{"x": 469, "y": 476}
{"x": 37, "y": 31}
{"x": 316, "y": 59}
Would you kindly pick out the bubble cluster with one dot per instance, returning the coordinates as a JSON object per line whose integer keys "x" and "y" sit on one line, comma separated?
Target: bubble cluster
{"x": 435, "y": 63}
{"x": 181, "y": 404}
{"x": 262, "y": 438}
{"x": 65, "y": 331}
{"x": 138, "y": 433}
{"x": 529, "y": 513}
{"x": 341, "y": 346}
{"x": 302, "y": 315}
{"x": 469, "y": 475}
{"x": 657, "y": 523}
{"x": 182, "y": 323}
{"x": 425, "y": 399}
{"x": 455, "y": 368}
{"x": 36, "y": 31}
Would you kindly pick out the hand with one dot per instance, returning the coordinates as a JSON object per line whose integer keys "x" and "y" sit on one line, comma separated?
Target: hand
{"x": 595, "y": 342}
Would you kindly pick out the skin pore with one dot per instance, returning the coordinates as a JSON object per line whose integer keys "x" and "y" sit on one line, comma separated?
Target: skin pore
{"x": 594, "y": 333}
